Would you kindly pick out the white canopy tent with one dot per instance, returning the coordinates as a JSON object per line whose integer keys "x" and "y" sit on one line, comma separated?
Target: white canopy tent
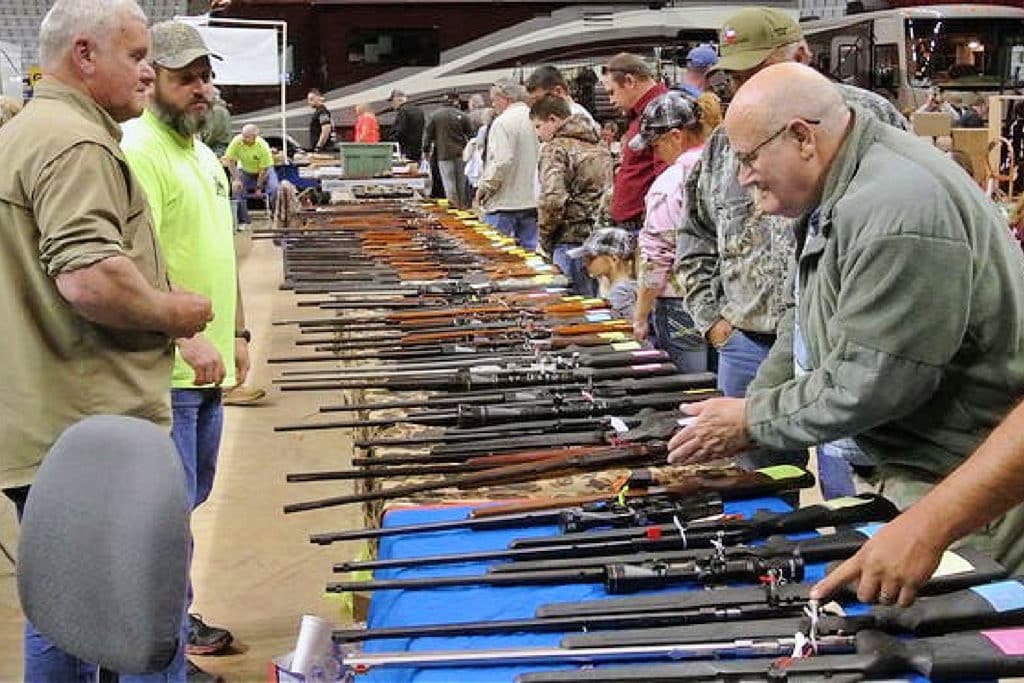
{"x": 250, "y": 52}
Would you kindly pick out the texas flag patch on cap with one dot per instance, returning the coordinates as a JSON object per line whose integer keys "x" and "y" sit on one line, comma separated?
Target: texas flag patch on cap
{"x": 729, "y": 36}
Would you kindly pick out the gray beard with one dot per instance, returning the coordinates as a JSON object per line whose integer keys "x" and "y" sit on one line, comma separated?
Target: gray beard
{"x": 186, "y": 125}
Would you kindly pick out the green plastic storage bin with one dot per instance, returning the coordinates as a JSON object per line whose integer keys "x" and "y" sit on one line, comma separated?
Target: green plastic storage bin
{"x": 366, "y": 159}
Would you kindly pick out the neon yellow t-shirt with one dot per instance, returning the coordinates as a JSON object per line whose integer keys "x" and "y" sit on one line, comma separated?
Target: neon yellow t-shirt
{"x": 252, "y": 158}
{"x": 190, "y": 201}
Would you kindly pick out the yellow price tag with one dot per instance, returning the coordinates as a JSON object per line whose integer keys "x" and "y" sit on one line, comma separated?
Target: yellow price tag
{"x": 575, "y": 297}
{"x": 627, "y": 346}
{"x": 622, "y": 495}
{"x": 844, "y": 502}
{"x": 543, "y": 279}
{"x": 781, "y": 471}
{"x": 442, "y": 203}
{"x": 612, "y": 336}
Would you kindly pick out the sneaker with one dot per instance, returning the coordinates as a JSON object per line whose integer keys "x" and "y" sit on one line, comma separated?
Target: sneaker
{"x": 204, "y": 639}
{"x": 243, "y": 396}
{"x": 193, "y": 674}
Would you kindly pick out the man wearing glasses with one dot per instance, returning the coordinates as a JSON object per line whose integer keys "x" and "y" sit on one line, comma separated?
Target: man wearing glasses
{"x": 190, "y": 201}
{"x": 907, "y": 332}
{"x": 733, "y": 257}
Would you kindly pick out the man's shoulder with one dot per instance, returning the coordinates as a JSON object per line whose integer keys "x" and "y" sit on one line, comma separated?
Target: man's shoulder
{"x": 875, "y": 104}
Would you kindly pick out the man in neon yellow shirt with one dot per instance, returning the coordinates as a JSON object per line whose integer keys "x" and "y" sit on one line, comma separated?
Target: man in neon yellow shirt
{"x": 188, "y": 197}
{"x": 252, "y": 169}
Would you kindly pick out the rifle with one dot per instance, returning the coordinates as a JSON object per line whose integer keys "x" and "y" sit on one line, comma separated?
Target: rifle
{"x": 971, "y": 608}
{"x": 617, "y": 578}
{"x": 771, "y": 600}
{"x": 465, "y": 379}
{"x": 873, "y": 655}
{"x": 570, "y": 520}
{"x": 613, "y": 456}
{"x": 470, "y": 417}
{"x": 624, "y": 387}
{"x": 725, "y": 532}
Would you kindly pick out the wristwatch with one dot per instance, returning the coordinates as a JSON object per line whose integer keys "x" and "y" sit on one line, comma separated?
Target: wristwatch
{"x": 244, "y": 334}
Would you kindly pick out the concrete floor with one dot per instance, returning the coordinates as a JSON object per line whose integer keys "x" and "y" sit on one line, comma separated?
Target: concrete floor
{"x": 254, "y": 570}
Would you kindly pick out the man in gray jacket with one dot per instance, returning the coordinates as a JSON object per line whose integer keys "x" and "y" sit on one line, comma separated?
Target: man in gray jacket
{"x": 508, "y": 187}
{"x": 907, "y": 332}
{"x": 732, "y": 256}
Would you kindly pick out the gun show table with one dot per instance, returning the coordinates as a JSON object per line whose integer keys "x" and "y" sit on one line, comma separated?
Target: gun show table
{"x": 409, "y": 607}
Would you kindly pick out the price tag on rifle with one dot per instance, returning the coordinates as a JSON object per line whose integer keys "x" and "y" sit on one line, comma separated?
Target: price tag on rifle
{"x": 618, "y": 424}
{"x": 626, "y": 346}
{"x": 612, "y": 336}
{"x": 844, "y": 502}
{"x": 952, "y": 563}
{"x": 544, "y": 279}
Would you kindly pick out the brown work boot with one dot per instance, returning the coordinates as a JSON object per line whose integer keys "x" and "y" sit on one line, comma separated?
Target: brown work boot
{"x": 243, "y": 396}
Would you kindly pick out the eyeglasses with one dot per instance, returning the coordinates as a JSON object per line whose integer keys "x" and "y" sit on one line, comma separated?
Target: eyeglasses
{"x": 748, "y": 159}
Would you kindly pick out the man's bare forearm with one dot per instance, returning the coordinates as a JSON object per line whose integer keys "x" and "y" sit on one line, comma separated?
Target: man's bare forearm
{"x": 112, "y": 292}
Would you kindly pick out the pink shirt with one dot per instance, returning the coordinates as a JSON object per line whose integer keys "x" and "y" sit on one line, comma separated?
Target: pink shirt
{"x": 665, "y": 211}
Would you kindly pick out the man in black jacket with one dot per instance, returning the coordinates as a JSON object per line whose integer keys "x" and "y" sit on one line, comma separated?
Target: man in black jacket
{"x": 408, "y": 128}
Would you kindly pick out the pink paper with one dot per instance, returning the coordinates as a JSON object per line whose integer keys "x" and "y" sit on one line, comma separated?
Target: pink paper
{"x": 1009, "y": 640}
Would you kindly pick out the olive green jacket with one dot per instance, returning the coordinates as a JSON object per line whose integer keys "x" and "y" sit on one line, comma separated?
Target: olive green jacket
{"x": 911, "y": 303}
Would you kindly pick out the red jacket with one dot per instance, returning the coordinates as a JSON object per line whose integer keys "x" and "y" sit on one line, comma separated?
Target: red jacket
{"x": 638, "y": 169}
{"x": 367, "y": 129}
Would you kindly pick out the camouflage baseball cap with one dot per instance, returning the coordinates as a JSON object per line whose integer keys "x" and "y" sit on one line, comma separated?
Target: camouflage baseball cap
{"x": 608, "y": 241}
{"x": 177, "y": 44}
{"x": 674, "y": 109}
{"x": 750, "y": 35}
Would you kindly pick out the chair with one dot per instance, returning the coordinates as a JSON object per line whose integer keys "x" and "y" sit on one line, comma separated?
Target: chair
{"x": 103, "y": 555}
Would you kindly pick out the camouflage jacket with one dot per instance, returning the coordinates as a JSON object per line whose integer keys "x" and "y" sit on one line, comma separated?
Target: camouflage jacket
{"x": 575, "y": 170}
{"x": 733, "y": 260}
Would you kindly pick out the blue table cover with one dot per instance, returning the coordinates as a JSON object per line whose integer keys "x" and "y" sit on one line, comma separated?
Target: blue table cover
{"x": 478, "y": 603}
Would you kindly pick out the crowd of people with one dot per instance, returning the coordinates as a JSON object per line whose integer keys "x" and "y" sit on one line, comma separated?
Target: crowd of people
{"x": 855, "y": 290}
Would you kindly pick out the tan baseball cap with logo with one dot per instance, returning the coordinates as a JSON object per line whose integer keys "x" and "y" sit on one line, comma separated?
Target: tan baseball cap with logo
{"x": 177, "y": 44}
{"x": 750, "y": 35}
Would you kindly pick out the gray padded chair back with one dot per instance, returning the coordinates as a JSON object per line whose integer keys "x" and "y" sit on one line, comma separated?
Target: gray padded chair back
{"x": 103, "y": 554}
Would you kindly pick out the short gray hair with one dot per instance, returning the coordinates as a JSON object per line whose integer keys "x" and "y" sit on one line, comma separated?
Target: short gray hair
{"x": 70, "y": 18}
{"x": 506, "y": 87}
{"x": 250, "y": 129}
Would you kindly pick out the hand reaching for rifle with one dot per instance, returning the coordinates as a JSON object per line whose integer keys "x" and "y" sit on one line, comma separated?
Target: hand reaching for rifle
{"x": 892, "y": 566}
{"x": 719, "y": 430}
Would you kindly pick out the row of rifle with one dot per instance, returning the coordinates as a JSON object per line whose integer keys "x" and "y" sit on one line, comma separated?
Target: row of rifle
{"x": 494, "y": 377}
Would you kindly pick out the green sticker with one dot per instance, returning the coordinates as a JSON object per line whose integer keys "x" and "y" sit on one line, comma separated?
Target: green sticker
{"x": 782, "y": 471}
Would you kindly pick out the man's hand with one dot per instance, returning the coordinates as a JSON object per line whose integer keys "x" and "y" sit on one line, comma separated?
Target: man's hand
{"x": 203, "y": 358}
{"x": 641, "y": 328}
{"x": 891, "y": 566}
{"x": 719, "y": 431}
{"x": 719, "y": 333}
{"x": 242, "y": 363}
{"x": 187, "y": 314}
{"x": 236, "y": 186}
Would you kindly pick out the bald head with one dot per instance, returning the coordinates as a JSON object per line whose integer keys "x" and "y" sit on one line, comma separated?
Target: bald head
{"x": 249, "y": 133}
{"x": 786, "y": 144}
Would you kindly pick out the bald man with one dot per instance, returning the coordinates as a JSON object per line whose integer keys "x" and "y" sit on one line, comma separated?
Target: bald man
{"x": 907, "y": 332}
{"x": 732, "y": 255}
{"x": 251, "y": 164}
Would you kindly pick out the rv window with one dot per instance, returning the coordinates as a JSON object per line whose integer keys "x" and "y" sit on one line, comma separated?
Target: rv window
{"x": 965, "y": 53}
{"x": 886, "y": 67}
{"x": 395, "y": 47}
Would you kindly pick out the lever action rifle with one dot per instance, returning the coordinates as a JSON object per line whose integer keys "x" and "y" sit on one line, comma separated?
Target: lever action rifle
{"x": 957, "y": 656}
{"x": 698, "y": 534}
{"x": 773, "y": 600}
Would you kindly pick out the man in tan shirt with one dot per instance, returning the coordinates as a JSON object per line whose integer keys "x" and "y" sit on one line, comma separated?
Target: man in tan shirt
{"x": 88, "y": 314}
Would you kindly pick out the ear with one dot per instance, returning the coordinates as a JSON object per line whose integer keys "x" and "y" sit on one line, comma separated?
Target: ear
{"x": 83, "y": 55}
{"x": 805, "y": 136}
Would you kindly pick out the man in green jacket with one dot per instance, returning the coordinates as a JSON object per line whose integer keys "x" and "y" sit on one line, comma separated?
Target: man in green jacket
{"x": 907, "y": 332}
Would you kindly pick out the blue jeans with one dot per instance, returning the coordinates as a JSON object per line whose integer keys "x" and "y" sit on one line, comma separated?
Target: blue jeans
{"x": 46, "y": 663}
{"x": 738, "y": 361}
{"x": 579, "y": 281}
{"x": 519, "y": 224}
{"x": 198, "y": 421}
{"x": 249, "y": 186}
{"x": 675, "y": 334}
